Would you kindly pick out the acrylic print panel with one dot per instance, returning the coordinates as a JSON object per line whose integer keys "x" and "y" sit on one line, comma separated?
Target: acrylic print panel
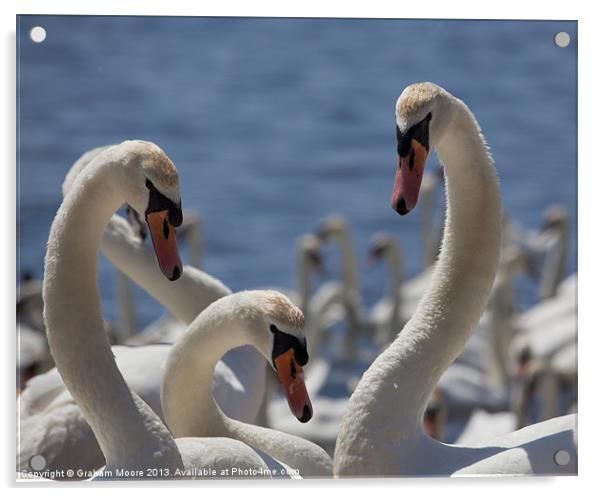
{"x": 290, "y": 151}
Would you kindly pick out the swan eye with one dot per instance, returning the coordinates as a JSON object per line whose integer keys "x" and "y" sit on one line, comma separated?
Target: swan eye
{"x": 149, "y": 184}
{"x": 284, "y": 342}
{"x": 418, "y": 132}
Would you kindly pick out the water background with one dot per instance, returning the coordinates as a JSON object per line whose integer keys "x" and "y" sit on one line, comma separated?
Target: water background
{"x": 276, "y": 123}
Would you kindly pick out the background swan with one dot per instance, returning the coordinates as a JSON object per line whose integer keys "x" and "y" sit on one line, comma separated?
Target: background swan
{"x": 381, "y": 432}
{"x": 334, "y": 229}
{"x": 129, "y": 433}
{"x": 544, "y": 357}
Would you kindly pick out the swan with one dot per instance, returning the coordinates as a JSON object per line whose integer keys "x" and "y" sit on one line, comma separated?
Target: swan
{"x": 130, "y": 434}
{"x": 51, "y": 422}
{"x": 554, "y": 239}
{"x": 381, "y": 432}
{"x": 386, "y": 314}
{"x": 335, "y": 229}
{"x": 322, "y": 307}
{"x": 544, "y": 355}
{"x": 270, "y": 322}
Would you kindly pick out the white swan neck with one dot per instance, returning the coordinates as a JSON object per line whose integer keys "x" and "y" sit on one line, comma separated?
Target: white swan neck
{"x": 187, "y": 394}
{"x": 124, "y": 426}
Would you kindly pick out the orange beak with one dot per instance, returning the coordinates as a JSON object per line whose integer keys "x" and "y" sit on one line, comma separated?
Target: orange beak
{"x": 290, "y": 374}
{"x": 163, "y": 235}
{"x": 408, "y": 178}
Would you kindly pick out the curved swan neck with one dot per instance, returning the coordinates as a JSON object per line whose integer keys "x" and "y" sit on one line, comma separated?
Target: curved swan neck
{"x": 188, "y": 404}
{"x": 396, "y": 388}
{"x": 127, "y": 431}
{"x": 184, "y": 298}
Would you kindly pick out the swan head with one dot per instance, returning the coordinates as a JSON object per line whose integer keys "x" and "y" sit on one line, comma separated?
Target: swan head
{"x": 332, "y": 227}
{"x": 422, "y": 114}
{"x": 310, "y": 254}
{"x": 148, "y": 179}
{"x": 555, "y": 220}
{"x": 381, "y": 247}
{"x": 275, "y": 325}
{"x": 151, "y": 186}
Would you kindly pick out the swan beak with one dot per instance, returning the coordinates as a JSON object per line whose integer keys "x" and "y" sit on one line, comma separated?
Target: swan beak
{"x": 163, "y": 234}
{"x": 408, "y": 178}
{"x": 290, "y": 374}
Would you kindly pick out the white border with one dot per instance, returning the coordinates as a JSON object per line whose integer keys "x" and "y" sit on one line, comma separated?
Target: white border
{"x": 589, "y": 206}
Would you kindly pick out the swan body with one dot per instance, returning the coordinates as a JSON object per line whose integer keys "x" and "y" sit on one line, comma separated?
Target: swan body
{"x": 264, "y": 319}
{"x": 381, "y": 431}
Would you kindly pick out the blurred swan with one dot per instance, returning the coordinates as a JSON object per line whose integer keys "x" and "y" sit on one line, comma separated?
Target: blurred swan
{"x": 335, "y": 229}
{"x": 322, "y": 307}
{"x": 381, "y": 431}
{"x": 387, "y": 314}
{"x": 544, "y": 354}
{"x": 553, "y": 239}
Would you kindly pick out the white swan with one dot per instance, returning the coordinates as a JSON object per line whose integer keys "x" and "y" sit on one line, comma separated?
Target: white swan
{"x": 544, "y": 355}
{"x": 335, "y": 229}
{"x": 381, "y": 432}
{"x": 554, "y": 239}
{"x": 386, "y": 314}
{"x": 130, "y": 434}
{"x": 268, "y": 321}
{"x": 52, "y": 424}
{"x": 322, "y": 307}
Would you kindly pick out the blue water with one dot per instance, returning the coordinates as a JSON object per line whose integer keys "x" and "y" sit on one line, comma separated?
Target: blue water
{"x": 274, "y": 124}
